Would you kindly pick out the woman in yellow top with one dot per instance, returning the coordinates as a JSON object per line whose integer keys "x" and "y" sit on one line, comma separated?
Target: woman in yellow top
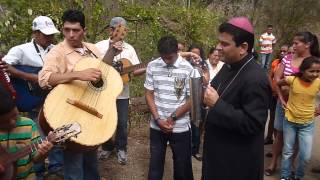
{"x": 299, "y": 113}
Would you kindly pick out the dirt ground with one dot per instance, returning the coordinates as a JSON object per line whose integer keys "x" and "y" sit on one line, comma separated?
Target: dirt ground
{"x": 138, "y": 158}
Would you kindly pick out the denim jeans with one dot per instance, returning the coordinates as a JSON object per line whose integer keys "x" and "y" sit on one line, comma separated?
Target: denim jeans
{"x": 304, "y": 134}
{"x": 195, "y": 144}
{"x": 180, "y": 144}
{"x": 279, "y": 117}
{"x": 55, "y": 155}
{"x": 81, "y": 165}
{"x": 121, "y": 138}
{"x": 265, "y": 61}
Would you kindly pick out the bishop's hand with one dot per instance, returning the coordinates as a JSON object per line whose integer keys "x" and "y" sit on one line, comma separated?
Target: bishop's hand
{"x": 211, "y": 96}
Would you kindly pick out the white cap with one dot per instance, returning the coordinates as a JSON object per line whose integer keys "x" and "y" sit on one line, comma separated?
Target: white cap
{"x": 45, "y": 25}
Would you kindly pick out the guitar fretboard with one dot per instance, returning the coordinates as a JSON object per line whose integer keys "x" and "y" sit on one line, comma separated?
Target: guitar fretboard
{"x": 133, "y": 68}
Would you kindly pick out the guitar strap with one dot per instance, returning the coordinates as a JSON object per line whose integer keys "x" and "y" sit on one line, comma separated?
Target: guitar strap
{"x": 90, "y": 52}
{"x": 38, "y": 51}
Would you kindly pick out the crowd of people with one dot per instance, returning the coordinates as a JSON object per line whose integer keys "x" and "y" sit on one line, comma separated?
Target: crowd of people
{"x": 240, "y": 91}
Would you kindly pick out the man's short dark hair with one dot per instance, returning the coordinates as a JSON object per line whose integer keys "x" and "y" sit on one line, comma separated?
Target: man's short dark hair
{"x": 74, "y": 16}
{"x": 239, "y": 35}
{"x": 7, "y": 102}
{"x": 269, "y": 26}
{"x": 167, "y": 45}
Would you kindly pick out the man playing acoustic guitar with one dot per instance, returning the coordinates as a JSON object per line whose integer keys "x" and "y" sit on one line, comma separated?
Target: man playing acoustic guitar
{"x": 58, "y": 69}
{"x": 130, "y": 54}
{"x": 17, "y": 132}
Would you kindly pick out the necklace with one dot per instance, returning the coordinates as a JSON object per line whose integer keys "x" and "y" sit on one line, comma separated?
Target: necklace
{"x": 229, "y": 84}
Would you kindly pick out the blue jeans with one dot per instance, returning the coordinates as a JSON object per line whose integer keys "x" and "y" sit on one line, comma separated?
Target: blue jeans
{"x": 81, "y": 165}
{"x": 55, "y": 155}
{"x": 304, "y": 134}
{"x": 265, "y": 61}
{"x": 180, "y": 144}
{"x": 122, "y": 128}
{"x": 279, "y": 117}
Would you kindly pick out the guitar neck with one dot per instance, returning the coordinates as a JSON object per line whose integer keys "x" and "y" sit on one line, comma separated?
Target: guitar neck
{"x": 133, "y": 68}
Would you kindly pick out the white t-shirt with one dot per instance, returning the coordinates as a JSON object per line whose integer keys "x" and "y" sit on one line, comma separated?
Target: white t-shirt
{"x": 26, "y": 54}
{"x": 128, "y": 52}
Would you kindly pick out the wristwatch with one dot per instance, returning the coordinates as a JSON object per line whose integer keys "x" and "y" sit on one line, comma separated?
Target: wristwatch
{"x": 174, "y": 116}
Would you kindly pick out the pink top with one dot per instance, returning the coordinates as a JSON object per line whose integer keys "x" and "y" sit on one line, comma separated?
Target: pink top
{"x": 288, "y": 68}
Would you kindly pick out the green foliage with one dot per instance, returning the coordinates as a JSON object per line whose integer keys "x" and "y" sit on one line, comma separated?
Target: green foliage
{"x": 147, "y": 23}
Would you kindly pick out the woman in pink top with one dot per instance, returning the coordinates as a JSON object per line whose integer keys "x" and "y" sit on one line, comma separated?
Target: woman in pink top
{"x": 305, "y": 44}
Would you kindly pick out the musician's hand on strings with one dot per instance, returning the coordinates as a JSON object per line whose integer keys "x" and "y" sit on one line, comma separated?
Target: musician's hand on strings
{"x": 44, "y": 147}
{"x": 211, "y": 96}
{"x": 90, "y": 74}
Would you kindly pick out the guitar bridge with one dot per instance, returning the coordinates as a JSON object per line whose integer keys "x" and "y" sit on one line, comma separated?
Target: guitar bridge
{"x": 85, "y": 107}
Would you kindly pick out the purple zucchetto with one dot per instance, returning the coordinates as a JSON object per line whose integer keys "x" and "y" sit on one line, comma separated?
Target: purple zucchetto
{"x": 242, "y": 23}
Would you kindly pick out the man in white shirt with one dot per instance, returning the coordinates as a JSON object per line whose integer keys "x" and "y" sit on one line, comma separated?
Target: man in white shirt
{"x": 32, "y": 54}
{"x": 128, "y": 53}
{"x": 266, "y": 41}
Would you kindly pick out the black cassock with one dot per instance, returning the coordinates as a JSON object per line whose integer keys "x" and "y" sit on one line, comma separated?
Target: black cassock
{"x": 234, "y": 130}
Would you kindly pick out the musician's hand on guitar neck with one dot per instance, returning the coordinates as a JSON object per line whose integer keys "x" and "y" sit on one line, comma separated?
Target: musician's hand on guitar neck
{"x": 211, "y": 96}
{"x": 117, "y": 46}
{"x": 90, "y": 74}
{"x": 44, "y": 147}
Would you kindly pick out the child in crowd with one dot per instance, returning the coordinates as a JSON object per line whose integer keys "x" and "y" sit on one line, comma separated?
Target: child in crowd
{"x": 300, "y": 113}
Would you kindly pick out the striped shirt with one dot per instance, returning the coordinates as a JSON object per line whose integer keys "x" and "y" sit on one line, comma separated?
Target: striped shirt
{"x": 23, "y": 134}
{"x": 288, "y": 68}
{"x": 165, "y": 81}
{"x": 266, "y": 41}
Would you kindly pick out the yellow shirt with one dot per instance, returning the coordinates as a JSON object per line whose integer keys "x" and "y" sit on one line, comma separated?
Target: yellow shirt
{"x": 301, "y": 103}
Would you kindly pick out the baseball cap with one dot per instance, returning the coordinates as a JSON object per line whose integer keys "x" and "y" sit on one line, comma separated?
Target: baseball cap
{"x": 116, "y": 21}
{"x": 242, "y": 23}
{"x": 45, "y": 25}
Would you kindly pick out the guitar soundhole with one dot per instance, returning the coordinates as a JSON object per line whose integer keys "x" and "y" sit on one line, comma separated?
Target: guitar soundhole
{"x": 98, "y": 85}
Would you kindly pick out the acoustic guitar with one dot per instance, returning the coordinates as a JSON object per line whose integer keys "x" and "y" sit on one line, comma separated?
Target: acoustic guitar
{"x": 29, "y": 94}
{"x": 125, "y": 67}
{"x": 91, "y": 104}
{"x": 58, "y": 136}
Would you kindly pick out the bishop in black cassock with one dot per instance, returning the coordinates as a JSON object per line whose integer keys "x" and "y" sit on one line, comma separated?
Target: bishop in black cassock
{"x": 239, "y": 99}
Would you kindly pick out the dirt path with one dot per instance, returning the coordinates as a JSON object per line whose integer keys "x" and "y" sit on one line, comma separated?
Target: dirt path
{"x": 138, "y": 159}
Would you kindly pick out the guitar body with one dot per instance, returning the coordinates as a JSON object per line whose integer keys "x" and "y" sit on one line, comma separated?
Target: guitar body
{"x": 10, "y": 168}
{"x": 125, "y": 77}
{"x": 95, "y": 129}
{"x": 26, "y": 101}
